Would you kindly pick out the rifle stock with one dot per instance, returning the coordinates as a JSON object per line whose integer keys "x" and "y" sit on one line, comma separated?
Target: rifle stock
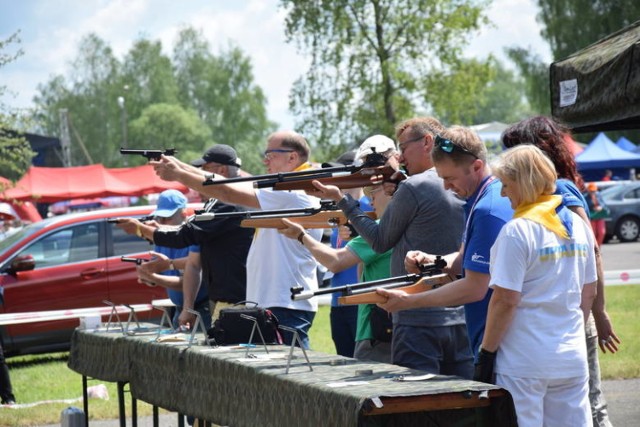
{"x": 324, "y": 219}
{"x": 361, "y": 178}
{"x": 370, "y": 296}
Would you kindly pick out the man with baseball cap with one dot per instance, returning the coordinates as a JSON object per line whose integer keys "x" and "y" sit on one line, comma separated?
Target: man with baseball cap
{"x": 224, "y": 244}
{"x": 220, "y": 154}
{"x": 169, "y": 262}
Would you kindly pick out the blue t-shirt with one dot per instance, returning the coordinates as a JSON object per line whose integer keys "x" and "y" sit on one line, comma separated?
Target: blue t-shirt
{"x": 176, "y": 297}
{"x": 571, "y": 196}
{"x": 350, "y": 275}
{"x": 490, "y": 213}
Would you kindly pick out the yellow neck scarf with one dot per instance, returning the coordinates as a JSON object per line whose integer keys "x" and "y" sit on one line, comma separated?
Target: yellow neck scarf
{"x": 543, "y": 211}
{"x": 304, "y": 166}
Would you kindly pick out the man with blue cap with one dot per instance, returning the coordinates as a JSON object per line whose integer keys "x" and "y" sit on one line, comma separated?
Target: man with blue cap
{"x": 171, "y": 212}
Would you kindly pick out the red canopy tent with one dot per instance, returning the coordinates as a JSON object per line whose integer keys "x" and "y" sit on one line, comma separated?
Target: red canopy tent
{"x": 50, "y": 185}
{"x": 573, "y": 146}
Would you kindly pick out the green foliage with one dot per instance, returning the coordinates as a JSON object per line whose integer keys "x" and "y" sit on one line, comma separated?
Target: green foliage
{"x": 568, "y": 26}
{"x": 15, "y": 151}
{"x": 162, "y": 126}
{"x": 372, "y": 61}
{"x": 536, "y": 76}
{"x": 189, "y": 97}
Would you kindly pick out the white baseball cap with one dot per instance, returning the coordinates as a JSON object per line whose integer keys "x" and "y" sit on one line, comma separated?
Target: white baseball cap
{"x": 376, "y": 143}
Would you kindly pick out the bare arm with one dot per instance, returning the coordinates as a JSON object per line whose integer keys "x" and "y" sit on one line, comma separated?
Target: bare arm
{"x": 471, "y": 288}
{"x": 240, "y": 193}
{"x": 335, "y": 260}
{"x": 502, "y": 309}
{"x": 598, "y": 309}
{"x": 190, "y": 287}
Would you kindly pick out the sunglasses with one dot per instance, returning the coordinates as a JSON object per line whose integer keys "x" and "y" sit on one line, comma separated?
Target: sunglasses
{"x": 448, "y": 146}
{"x": 267, "y": 153}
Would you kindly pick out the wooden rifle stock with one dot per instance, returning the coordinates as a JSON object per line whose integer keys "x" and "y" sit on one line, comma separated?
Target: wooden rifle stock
{"x": 369, "y": 295}
{"x": 323, "y": 219}
{"x": 360, "y": 178}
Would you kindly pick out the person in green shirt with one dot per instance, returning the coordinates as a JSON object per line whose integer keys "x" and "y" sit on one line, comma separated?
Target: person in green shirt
{"x": 375, "y": 266}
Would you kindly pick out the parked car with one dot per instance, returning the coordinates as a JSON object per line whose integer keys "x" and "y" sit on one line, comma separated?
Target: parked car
{"x": 623, "y": 201}
{"x": 65, "y": 262}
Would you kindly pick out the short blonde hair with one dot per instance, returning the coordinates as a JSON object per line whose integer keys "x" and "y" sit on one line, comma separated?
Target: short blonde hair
{"x": 529, "y": 168}
{"x": 465, "y": 139}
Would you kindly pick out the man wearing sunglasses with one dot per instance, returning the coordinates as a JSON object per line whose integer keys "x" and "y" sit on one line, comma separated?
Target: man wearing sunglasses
{"x": 275, "y": 263}
{"x": 459, "y": 157}
{"x": 421, "y": 215}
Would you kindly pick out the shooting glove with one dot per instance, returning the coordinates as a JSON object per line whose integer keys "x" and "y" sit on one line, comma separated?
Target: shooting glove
{"x": 484, "y": 363}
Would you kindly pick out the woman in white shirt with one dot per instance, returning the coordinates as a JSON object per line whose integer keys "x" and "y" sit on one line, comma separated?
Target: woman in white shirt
{"x": 543, "y": 278}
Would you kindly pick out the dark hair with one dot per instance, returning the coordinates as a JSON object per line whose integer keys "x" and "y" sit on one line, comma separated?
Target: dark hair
{"x": 550, "y": 136}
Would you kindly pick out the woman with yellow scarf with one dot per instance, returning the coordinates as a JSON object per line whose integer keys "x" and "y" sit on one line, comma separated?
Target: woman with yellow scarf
{"x": 543, "y": 278}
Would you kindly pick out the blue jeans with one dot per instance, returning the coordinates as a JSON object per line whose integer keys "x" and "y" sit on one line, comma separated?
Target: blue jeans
{"x": 343, "y": 328}
{"x": 440, "y": 350}
{"x": 297, "y": 319}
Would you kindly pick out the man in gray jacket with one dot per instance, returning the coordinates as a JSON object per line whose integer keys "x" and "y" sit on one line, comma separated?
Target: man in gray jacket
{"x": 420, "y": 215}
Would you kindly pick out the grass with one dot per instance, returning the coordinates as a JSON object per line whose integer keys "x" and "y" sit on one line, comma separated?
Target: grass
{"x": 46, "y": 377}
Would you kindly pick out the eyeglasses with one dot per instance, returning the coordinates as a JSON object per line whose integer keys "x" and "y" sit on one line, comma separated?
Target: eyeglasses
{"x": 403, "y": 145}
{"x": 448, "y": 146}
{"x": 267, "y": 153}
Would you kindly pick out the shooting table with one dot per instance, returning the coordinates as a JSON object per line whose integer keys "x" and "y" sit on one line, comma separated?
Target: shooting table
{"x": 224, "y": 386}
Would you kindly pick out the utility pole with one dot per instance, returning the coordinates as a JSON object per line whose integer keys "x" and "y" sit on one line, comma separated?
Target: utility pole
{"x": 123, "y": 118}
{"x": 65, "y": 140}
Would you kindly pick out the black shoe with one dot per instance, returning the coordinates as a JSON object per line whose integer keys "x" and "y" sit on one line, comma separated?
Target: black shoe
{"x": 9, "y": 402}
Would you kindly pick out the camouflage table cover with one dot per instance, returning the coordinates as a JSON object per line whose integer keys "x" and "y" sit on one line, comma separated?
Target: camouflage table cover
{"x": 223, "y": 386}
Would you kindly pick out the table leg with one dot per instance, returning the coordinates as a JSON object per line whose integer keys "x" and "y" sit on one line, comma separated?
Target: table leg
{"x": 85, "y": 401}
{"x": 156, "y": 419}
{"x": 121, "y": 409}
{"x": 134, "y": 410}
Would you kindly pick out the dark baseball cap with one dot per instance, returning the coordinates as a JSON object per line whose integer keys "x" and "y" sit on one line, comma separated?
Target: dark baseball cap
{"x": 219, "y": 153}
{"x": 345, "y": 159}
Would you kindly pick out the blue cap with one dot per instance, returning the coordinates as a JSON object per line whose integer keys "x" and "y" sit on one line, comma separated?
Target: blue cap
{"x": 169, "y": 202}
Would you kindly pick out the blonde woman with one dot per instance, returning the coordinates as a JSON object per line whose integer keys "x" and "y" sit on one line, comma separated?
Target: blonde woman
{"x": 543, "y": 278}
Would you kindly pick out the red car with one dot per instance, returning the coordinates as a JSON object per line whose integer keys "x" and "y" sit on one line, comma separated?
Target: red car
{"x": 65, "y": 262}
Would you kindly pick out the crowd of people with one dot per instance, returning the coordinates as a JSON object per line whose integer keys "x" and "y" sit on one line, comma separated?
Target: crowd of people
{"x": 525, "y": 311}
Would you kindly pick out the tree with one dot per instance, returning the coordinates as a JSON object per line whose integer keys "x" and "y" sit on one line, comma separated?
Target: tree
{"x": 15, "y": 151}
{"x": 170, "y": 126}
{"x": 90, "y": 97}
{"x": 221, "y": 90}
{"x": 105, "y": 97}
{"x": 568, "y": 26}
{"x": 372, "y": 61}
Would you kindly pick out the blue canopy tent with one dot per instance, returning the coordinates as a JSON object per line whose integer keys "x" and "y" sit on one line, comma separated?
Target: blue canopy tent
{"x": 625, "y": 144}
{"x": 602, "y": 154}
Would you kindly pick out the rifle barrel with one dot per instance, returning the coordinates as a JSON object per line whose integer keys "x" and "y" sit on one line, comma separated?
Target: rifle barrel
{"x": 283, "y": 176}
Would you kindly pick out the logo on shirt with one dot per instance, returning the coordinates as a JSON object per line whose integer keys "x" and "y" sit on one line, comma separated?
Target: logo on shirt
{"x": 477, "y": 258}
{"x": 573, "y": 250}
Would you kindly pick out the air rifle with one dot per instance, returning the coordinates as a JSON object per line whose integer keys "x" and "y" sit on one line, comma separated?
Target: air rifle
{"x": 150, "y": 154}
{"x": 430, "y": 277}
{"x": 342, "y": 176}
{"x": 324, "y": 216}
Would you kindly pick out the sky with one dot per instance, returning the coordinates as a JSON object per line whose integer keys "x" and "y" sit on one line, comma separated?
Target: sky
{"x": 50, "y": 31}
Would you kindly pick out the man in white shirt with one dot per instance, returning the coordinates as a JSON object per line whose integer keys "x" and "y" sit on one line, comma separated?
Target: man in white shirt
{"x": 275, "y": 263}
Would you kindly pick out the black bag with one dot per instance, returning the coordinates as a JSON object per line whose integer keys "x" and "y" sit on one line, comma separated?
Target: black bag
{"x": 381, "y": 324}
{"x": 231, "y": 328}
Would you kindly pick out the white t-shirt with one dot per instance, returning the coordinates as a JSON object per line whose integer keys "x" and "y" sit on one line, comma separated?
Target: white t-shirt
{"x": 546, "y": 338}
{"x": 276, "y": 263}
